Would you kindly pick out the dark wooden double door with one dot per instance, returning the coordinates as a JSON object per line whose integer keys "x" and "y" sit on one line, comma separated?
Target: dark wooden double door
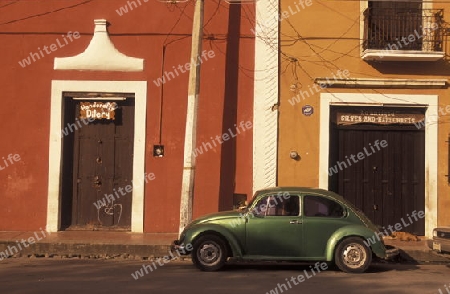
{"x": 97, "y": 168}
{"x": 387, "y": 185}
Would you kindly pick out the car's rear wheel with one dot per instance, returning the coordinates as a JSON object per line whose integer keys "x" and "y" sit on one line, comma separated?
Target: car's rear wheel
{"x": 352, "y": 255}
{"x": 210, "y": 253}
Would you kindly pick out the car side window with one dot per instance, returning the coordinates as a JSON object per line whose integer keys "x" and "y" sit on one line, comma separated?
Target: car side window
{"x": 322, "y": 207}
{"x": 291, "y": 206}
{"x": 277, "y": 205}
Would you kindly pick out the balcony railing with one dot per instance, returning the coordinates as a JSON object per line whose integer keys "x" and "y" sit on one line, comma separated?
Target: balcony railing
{"x": 404, "y": 29}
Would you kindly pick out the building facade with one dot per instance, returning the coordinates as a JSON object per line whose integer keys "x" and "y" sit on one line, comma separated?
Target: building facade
{"x": 364, "y": 106}
{"x": 350, "y": 96}
{"x": 95, "y": 109}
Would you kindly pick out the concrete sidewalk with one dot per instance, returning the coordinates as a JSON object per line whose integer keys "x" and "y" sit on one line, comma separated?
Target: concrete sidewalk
{"x": 86, "y": 244}
{"x": 107, "y": 244}
{"x": 418, "y": 252}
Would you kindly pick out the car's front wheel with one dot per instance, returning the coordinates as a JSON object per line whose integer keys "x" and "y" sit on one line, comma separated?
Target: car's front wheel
{"x": 352, "y": 255}
{"x": 210, "y": 253}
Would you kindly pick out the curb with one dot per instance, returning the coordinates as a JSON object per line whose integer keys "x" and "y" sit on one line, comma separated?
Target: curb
{"x": 83, "y": 250}
{"x": 150, "y": 252}
{"x": 422, "y": 257}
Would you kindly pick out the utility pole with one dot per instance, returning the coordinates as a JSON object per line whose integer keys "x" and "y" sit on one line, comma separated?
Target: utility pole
{"x": 187, "y": 187}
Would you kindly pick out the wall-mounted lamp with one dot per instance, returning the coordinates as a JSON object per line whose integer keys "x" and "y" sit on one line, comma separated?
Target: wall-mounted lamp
{"x": 294, "y": 155}
{"x": 158, "y": 150}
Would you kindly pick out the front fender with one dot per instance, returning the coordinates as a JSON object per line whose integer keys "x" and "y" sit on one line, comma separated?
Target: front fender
{"x": 197, "y": 230}
{"x": 369, "y": 237}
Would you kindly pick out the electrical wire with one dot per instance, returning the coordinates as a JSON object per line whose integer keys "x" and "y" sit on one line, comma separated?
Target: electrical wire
{"x": 163, "y": 59}
{"x": 47, "y": 12}
{"x": 11, "y": 3}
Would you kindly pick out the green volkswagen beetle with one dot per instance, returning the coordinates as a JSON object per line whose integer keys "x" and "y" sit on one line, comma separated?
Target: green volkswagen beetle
{"x": 286, "y": 224}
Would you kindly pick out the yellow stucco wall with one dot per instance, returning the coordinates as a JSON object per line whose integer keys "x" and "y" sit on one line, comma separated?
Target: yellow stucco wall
{"x": 318, "y": 40}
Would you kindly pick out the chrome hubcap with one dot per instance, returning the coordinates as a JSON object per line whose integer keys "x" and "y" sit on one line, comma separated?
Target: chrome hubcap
{"x": 209, "y": 253}
{"x": 354, "y": 255}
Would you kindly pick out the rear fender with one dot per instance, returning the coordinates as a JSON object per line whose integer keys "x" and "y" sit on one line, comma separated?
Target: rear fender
{"x": 368, "y": 236}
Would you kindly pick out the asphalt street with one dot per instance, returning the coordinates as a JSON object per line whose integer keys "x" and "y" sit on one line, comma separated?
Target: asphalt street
{"x": 55, "y": 275}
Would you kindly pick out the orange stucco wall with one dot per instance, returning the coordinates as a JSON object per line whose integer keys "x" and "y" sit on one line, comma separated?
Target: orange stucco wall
{"x": 226, "y": 98}
{"x": 319, "y": 40}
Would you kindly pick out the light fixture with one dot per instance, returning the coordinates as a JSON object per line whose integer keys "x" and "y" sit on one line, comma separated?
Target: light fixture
{"x": 294, "y": 155}
{"x": 158, "y": 150}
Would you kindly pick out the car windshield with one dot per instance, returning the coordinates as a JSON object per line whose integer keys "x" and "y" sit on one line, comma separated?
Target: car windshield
{"x": 251, "y": 202}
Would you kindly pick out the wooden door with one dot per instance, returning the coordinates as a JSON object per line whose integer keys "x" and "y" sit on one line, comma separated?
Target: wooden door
{"x": 387, "y": 185}
{"x": 100, "y": 173}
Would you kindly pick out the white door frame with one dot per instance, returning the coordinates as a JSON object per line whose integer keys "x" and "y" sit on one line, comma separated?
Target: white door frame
{"x": 139, "y": 88}
{"x": 431, "y": 139}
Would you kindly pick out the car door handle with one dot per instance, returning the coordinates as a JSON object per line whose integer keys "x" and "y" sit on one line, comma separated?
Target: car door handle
{"x": 295, "y": 222}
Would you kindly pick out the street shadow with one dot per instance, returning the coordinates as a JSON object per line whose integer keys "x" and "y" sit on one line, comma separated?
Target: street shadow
{"x": 437, "y": 68}
{"x": 376, "y": 267}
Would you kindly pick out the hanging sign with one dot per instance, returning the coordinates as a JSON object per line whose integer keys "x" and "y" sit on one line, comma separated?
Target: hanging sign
{"x": 98, "y": 110}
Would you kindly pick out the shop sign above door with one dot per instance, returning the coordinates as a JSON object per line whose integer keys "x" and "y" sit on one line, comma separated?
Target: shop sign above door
{"x": 378, "y": 116}
{"x": 97, "y": 110}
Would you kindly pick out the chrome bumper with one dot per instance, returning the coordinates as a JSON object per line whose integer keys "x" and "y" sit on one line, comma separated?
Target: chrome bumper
{"x": 439, "y": 244}
{"x": 391, "y": 252}
{"x": 180, "y": 248}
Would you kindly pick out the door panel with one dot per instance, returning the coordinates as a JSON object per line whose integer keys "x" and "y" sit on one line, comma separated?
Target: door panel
{"x": 275, "y": 234}
{"x": 102, "y": 169}
{"x": 387, "y": 184}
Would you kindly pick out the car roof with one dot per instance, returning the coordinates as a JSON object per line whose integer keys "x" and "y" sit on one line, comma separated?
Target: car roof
{"x": 302, "y": 190}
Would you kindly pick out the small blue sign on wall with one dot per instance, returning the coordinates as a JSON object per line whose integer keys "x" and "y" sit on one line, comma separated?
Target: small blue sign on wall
{"x": 307, "y": 110}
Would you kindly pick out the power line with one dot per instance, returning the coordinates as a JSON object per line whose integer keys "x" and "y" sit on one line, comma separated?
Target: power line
{"x": 11, "y": 3}
{"x": 47, "y": 12}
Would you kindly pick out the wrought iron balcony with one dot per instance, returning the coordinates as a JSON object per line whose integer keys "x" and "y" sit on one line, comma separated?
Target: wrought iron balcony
{"x": 403, "y": 32}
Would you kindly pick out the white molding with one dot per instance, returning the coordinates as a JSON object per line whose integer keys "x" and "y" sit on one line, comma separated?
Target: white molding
{"x": 139, "y": 88}
{"x": 265, "y": 119}
{"x": 363, "y": 5}
{"x": 382, "y": 83}
{"x": 401, "y": 55}
{"x": 431, "y": 139}
{"x": 100, "y": 55}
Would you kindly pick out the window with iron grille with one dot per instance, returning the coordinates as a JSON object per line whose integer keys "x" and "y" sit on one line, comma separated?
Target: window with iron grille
{"x": 396, "y": 25}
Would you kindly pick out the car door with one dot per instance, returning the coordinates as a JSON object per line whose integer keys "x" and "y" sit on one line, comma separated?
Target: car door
{"x": 322, "y": 216}
{"x": 274, "y": 227}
